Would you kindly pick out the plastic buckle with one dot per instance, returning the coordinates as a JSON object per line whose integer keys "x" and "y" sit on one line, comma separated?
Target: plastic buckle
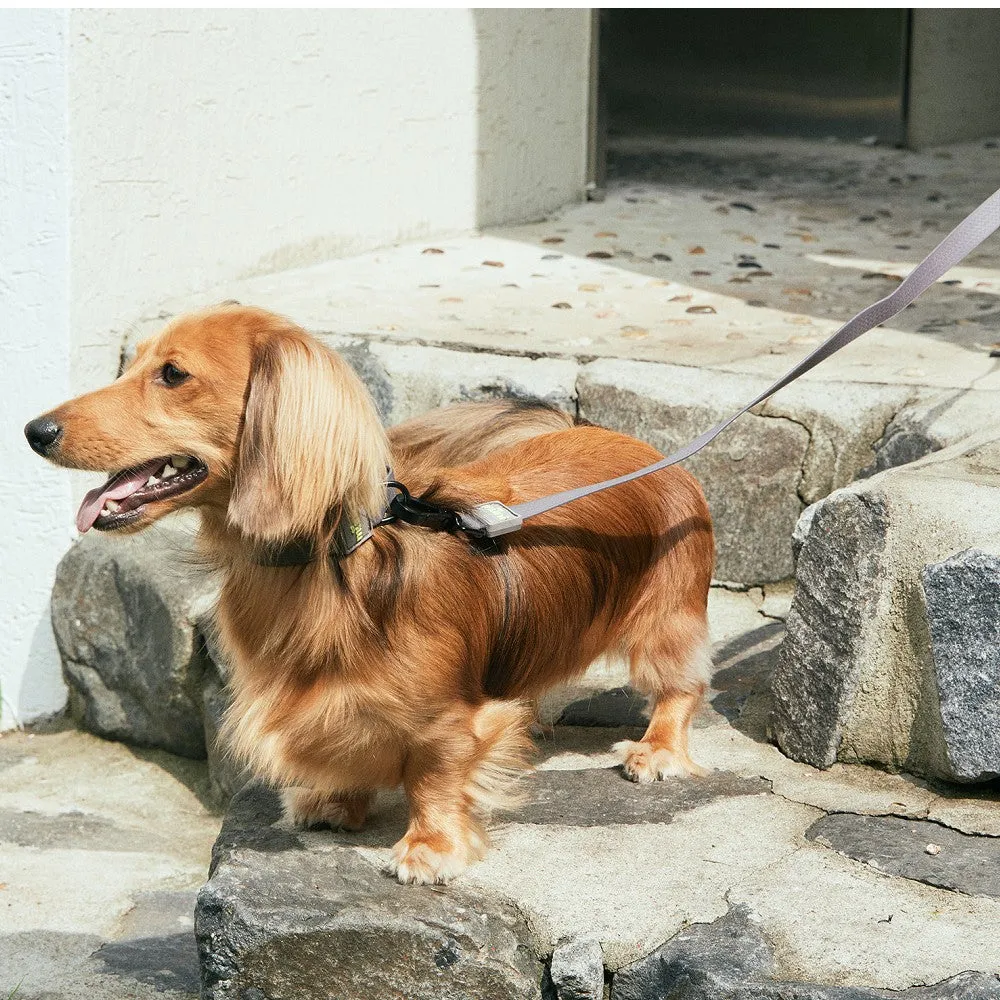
{"x": 489, "y": 520}
{"x": 413, "y": 510}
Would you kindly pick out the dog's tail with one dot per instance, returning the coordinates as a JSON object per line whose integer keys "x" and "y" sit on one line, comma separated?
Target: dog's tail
{"x": 503, "y": 755}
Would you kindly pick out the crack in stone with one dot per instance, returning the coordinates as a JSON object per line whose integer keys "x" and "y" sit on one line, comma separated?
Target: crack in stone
{"x": 810, "y": 440}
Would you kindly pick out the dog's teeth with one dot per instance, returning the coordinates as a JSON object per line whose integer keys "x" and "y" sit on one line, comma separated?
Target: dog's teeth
{"x": 180, "y": 462}
{"x": 152, "y": 481}
{"x": 111, "y": 505}
{"x": 168, "y": 471}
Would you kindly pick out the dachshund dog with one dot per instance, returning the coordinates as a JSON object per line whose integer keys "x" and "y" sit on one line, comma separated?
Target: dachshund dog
{"x": 410, "y": 657}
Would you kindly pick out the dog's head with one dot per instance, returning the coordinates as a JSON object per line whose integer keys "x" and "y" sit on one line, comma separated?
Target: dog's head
{"x": 234, "y": 409}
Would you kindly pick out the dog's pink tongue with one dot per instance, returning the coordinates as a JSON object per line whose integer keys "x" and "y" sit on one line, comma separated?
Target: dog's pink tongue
{"x": 119, "y": 486}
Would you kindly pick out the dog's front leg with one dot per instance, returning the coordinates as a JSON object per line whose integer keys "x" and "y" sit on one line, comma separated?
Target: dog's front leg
{"x": 443, "y": 837}
{"x": 308, "y": 807}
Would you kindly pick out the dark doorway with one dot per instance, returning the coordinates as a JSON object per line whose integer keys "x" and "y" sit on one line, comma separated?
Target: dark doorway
{"x": 805, "y": 73}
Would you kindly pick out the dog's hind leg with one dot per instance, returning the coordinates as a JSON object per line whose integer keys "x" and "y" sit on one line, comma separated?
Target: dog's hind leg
{"x": 672, "y": 667}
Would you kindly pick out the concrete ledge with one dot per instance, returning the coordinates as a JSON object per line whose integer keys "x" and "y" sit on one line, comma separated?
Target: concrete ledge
{"x": 425, "y": 330}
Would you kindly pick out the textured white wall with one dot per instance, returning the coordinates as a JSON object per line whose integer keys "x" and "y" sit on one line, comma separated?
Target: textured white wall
{"x": 213, "y": 143}
{"x": 35, "y": 528}
{"x": 533, "y": 96}
{"x": 208, "y": 144}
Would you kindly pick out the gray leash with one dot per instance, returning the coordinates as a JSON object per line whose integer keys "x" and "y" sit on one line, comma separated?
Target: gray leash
{"x": 494, "y": 518}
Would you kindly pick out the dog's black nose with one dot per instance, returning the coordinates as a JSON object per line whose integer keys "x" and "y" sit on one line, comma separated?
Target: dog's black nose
{"x": 42, "y": 434}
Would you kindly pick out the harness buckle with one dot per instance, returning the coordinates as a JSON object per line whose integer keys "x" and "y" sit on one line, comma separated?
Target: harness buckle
{"x": 489, "y": 520}
{"x": 485, "y": 520}
{"x": 413, "y": 510}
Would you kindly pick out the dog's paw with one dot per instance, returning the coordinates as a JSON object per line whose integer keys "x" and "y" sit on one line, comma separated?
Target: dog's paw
{"x": 642, "y": 763}
{"x": 307, "y": 808}
{"x": 433, "y": 860}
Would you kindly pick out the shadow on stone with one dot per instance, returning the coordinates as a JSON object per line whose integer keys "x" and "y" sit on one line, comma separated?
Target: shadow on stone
{"x": 741, "y": 682}
{"x": 169, "y": 962}
{"x": 63, "y": 830}
{"x": 621, "y": 706}
{"x": 603, "y": 796}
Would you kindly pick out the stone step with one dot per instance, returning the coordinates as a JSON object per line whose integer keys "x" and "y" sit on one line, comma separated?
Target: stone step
{"x": 658, "y": 880}
{"x": 692, "y": 888}
{"x": 685, "y": 365}
{"x": 591, "y": 858}
{"x": 702, "y": 277}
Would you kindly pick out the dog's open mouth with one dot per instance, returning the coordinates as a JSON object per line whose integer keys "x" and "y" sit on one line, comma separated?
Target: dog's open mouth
{"x": 122, "y": 498}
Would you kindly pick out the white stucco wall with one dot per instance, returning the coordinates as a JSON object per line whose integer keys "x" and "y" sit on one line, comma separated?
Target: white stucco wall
{"x": 533, "y": 96}
{"x": 149, "y": 154}
{"x": 213, "y": 143}
{"x": 35, "y": 528}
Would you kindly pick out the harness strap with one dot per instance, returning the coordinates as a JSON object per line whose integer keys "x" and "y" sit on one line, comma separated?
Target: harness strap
{"x": 301, "y": 551}
{"x": 494, "y": 518}
{"x": 349, "y": 536}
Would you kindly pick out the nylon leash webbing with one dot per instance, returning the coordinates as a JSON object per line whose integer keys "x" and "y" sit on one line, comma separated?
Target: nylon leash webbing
{"x": 958, "y": 244}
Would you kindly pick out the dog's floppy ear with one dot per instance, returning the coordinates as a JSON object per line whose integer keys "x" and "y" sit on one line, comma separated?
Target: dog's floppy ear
{"x": 312, "y": 448}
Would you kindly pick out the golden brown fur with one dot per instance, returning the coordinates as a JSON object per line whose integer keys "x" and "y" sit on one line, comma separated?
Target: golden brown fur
{"x": 412, "y": 659}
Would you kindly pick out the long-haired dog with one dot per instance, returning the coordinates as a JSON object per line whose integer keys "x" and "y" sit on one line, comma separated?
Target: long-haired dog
{"x": 413, "y": 659}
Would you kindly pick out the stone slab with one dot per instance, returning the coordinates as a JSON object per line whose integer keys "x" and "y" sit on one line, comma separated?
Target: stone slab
{"x": 819, "y": 669}
{"x": 751, "y": 475}
{"x": 962, "y": 594}
{"x": 932, "y": 421}
{"x": 897, "y": 846}
{"x": 407, "y": 380}
{"x": 577, "y": 969}
{"x": 633, "y": 866}
{"x": 732, "y": 959}
{"x": 650, "y": 879}
{"x": 101, "y": 854}
{"x": 282, "y": 923}
{"x": 837, "y": 921}
{"x": 880, "y": 650}
{"x": 766, "y": 468}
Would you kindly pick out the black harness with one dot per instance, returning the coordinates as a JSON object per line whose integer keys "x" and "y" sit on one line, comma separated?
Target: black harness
{"x": 400, "y": 505}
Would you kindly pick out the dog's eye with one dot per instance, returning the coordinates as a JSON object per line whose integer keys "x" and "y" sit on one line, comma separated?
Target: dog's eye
{"x": 171, "y": 375}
